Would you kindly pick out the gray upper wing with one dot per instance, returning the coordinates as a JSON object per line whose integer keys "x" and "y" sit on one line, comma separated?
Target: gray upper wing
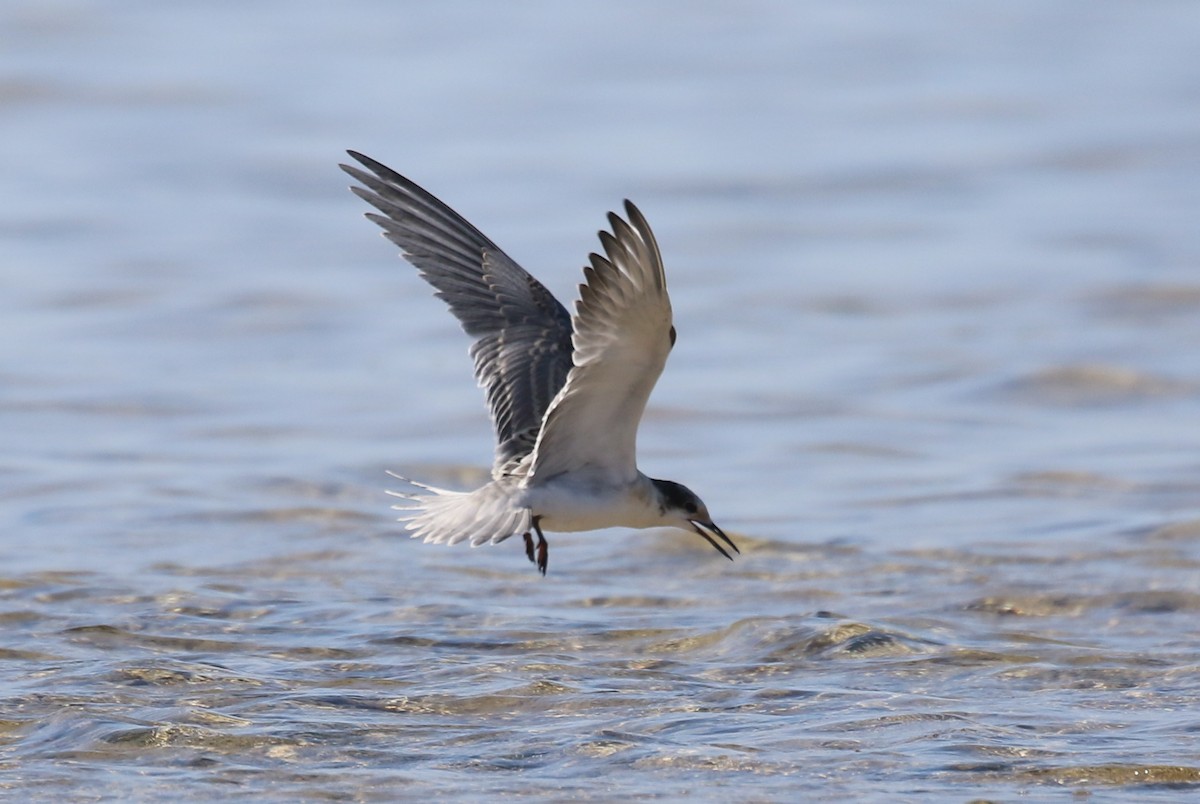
{"x": 522, "y": 348}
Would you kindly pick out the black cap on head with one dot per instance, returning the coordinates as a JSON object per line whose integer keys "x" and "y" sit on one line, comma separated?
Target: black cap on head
{"x": 677, "y": 495}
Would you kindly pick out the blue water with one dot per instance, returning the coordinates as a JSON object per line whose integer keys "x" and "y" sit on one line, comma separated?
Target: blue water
{"x": 936, "y": 274}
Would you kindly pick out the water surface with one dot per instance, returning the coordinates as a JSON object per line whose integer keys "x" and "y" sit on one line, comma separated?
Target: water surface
{"x": 936, "y": 277}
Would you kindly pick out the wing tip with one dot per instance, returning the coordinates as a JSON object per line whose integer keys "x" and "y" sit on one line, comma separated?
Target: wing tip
{"x": 634, "y": 240}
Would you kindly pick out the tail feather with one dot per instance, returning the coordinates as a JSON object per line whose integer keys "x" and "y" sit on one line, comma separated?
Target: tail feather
{"x": 485, "y": 515}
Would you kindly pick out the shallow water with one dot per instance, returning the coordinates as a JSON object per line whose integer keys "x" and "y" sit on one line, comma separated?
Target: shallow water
{"x": 937, "y": 282}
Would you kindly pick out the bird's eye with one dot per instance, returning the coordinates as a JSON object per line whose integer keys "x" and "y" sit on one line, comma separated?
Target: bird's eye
{"x": 690, "y": 508}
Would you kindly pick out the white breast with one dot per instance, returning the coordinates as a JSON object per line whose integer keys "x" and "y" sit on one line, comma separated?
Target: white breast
{"x": 571, "y": 503}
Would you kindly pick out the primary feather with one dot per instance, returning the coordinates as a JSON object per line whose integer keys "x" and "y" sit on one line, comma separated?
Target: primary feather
{"x": 522, "y": 347}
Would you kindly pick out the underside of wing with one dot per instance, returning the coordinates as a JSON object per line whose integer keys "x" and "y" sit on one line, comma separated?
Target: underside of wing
{"x": 622, "y": 336}
{"x": 522, "y": 347}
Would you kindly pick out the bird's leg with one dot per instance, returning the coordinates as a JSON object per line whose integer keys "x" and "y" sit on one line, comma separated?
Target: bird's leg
{"x": 543, "y": 549}
{"x": 529, "y": 548}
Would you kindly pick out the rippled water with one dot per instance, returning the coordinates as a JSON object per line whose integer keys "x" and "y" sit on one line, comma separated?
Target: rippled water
{"x": 936, "y": 274}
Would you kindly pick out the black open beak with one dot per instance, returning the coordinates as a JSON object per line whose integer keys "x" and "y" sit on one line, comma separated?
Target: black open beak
{"x": 706, "y": 528}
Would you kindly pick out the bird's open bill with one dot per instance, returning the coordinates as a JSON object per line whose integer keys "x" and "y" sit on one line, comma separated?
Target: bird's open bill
{"x": 703, "y": 528}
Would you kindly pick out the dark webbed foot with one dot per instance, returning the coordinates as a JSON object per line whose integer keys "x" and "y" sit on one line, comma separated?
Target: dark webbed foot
{"x": 541, "y": 554}
{"x": 543, "y": 549}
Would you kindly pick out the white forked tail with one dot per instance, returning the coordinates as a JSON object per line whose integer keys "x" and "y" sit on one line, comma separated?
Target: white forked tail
{"x": 449, "y": 517}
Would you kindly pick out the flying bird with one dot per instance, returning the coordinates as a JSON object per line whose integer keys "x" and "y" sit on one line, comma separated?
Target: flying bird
{"x": 565, "y": 392}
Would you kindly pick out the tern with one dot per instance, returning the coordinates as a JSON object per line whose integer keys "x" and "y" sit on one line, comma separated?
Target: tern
{"x": 565, "y": 393}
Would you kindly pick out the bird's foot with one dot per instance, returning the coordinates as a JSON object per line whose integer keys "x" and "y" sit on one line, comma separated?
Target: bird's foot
{"x": 543, "y": 554}
{"x": 539, "y": 555}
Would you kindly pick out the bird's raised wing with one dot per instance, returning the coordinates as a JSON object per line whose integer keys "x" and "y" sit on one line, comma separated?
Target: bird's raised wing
{"x": 622, "y": 337}
{"x": 522, "y": 348}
